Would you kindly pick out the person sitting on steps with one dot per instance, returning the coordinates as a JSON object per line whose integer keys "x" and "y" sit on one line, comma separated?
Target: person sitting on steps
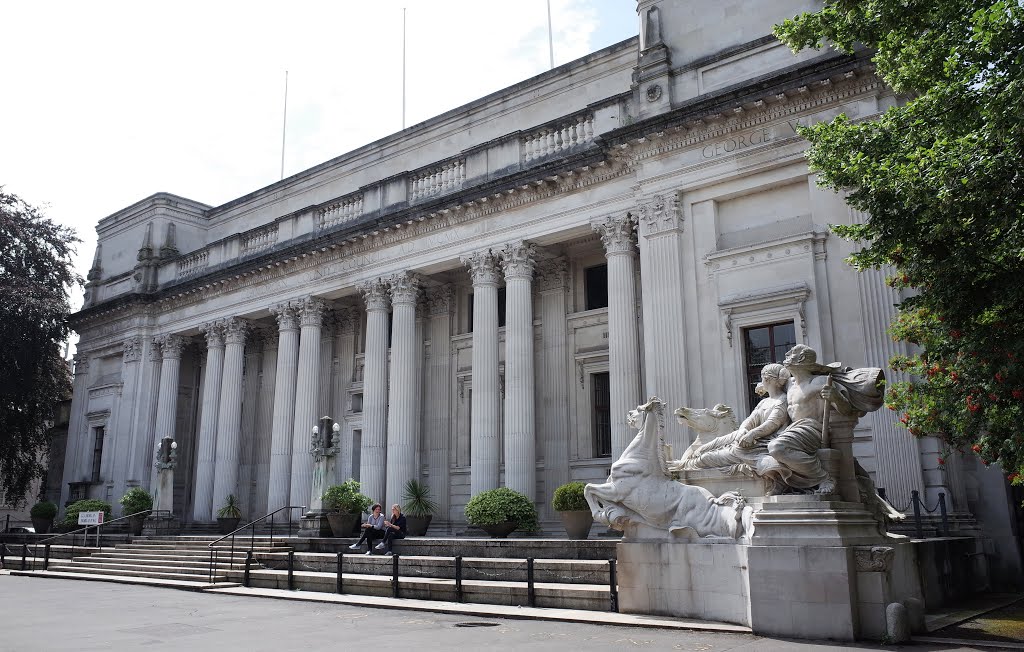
{"x": 373, "y": 529}
{"x": 394, "y": 529}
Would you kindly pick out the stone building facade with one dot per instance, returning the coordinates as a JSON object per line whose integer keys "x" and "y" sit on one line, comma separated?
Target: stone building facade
{"x": 479, "y": 299}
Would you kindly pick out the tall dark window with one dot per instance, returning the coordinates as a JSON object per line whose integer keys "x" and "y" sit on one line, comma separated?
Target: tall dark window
{"x": 601, "y": 418}
{"x": 501, "y": 309}
{"x": 595, "y": 286}
{"x": 97, "y": 453}
{"x": 357, "y": 403}
{"x": 357, "y": 450}
{"x": 764, "y": 345}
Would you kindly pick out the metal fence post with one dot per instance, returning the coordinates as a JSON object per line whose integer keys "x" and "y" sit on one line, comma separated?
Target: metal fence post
{"x": 613, "y": 587}
{"x": 531, "y": 593}
{"x": 248, "y": 560}
{"x": 340, "y": 581}
{"x": 394, "y": 576}
{"x": 915, "y": 498}
{"x": 945, "y": 517}
{"x": 24, "y": 554}
{"x": 291, "y": 570}
{"x": 458, "y": 579}
{"x": 46, "y": 556}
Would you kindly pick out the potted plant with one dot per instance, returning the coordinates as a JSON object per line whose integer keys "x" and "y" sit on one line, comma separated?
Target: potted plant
{"x": 87, "y": 505}
{"x": 418, "y": 507}
{"x": 43, "y": 514}
{"x": 346, "y": 506}
{"x": 573, "y": 509}
{"x": 229, "y": 515}
{"x": 136, "y": 500}
{"x": 499, "y": 512}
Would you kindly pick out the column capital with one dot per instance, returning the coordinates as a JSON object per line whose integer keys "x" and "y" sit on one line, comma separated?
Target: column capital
{"x": 171, "y": 345}
{"x": 235, "y": 330}
{"x": 405, "y": 288}
{"x": 439, "y": 300}
{"x": 287, "y": 316}
{"x": 132, "y": 348}
{"x": 660, "y": 214}
{"x": 375, "y": 295}
{"x": 518, "y": 260}
{"x": 553, "y": 274}
{"x": 269, "y": 338}
{"x": 311, "y": 311}
{"x": 482, "y": 267}
{"x": 348, "y": 318}
{"x": 81, "y": 364}
{"x": 616, "y": 234}
{"x": 214, "y": 332}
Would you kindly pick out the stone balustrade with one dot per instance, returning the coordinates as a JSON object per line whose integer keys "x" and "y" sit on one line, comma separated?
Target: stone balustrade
{"x": 340, "y": 212}
{"x": 193, "y": 264}
{"x": 437, "y": 181}
{"x": 558, "y": 138}
{"x": 259, "y": 239}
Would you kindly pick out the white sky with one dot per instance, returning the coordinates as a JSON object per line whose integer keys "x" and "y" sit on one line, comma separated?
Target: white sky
{"x": 107, "y": 102}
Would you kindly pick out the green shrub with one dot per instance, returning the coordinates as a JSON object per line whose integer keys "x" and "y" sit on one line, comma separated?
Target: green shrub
{"x": 136, "y": 500}
{"x": 44, "y": 509}
{"x": 569, "y": 498}
{"x": 417, "y": 499}
{"x": 88, "y": 505}
{"x": 502, "y": 505}
{"x": 346, "y": 499}
{"x": 230, "y": 508}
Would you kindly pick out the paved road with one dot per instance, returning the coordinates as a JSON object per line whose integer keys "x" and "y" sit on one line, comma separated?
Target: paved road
{"x": 49, "y": 614}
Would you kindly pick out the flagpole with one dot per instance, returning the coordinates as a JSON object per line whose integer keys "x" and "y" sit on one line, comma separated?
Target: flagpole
{"x": 403, "y": 67}
{"x": 551, "y": 43}
{"x": 284, "y": 125}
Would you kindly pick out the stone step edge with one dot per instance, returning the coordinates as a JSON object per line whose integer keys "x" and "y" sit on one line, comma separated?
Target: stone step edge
{"x": 486, "y": 610}
{"x": 121, "y": 579}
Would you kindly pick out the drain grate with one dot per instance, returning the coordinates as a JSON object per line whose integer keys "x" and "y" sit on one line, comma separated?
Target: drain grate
{"x": 475, "y": 623}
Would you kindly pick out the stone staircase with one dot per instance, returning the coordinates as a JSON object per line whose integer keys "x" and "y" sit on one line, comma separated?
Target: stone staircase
{"x": 491, "y": 571}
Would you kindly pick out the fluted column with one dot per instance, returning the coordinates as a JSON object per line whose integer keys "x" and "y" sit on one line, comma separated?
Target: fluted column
{"x": 623, "y": 338}
{"x": 229, "y": 418}
{"x": 517, "y": 261}
{"x": 348, "y": 321}
{"x": 373, "y": 457}
{"x": 202, "y": 508}
{"x": 485, "y": 451}
{"x": 265, "y": 420}
{"x": 403, "y": 401}
{"x": 279, "y": 491}
{"x": 307, "y": 396}
{"x": 553, "y": 286}
{"x": 437, "y": 396}
{"x": 171, "y": 347}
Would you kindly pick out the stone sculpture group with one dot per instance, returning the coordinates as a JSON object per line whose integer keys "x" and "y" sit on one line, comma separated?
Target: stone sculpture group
{"x": 779, "y": 442}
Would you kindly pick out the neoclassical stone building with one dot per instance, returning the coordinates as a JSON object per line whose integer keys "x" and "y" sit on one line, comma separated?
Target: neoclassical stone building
{"x": 479, "y": 299}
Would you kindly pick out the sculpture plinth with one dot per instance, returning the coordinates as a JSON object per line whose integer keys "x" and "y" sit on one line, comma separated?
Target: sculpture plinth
{"x": 325, "y": 445}
{"x": 161, "y": 520}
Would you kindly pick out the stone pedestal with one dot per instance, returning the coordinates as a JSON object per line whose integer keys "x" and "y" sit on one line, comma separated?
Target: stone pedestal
{"x": 324, "y": 448}
{"x": 159, "y": 526}
{"x": 314, "y": 524}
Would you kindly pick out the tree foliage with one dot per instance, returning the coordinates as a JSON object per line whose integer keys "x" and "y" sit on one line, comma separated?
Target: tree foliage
{"x": 36, "y": 275}
{"x": 940, "y": 178}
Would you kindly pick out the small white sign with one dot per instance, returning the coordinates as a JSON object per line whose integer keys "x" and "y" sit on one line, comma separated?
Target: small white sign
{"x": 90, "y": 518}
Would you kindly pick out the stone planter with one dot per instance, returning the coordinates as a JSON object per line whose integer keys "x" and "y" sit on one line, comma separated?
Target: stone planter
{"x": 135, "y": 524}
{"x": 577, "y": 524}
{"x": 41, "y": 525}
{"x": 342, "y": 525}
{"x": 227, "y": 525}
{"x": 500, "y": 530}
{"x": 417, "y": 525}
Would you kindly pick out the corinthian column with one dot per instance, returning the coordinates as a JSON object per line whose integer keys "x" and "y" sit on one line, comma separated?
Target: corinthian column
{"x": 552, "y": 381}
{"x": 437, "y": 397}
{"x": 279, "y": 491}
{"x": 229, "y": 419}
{"x": 517, "y": 260}
{"x": 202, "y": 508}
{"x": 373, "y": 457}
{"x": 623, "y": 340}
{"x": 485, "y": 449}
{"x": 307, "y": 396}
{"x": 167, "y": 402}
{"x": 402, "y": 398}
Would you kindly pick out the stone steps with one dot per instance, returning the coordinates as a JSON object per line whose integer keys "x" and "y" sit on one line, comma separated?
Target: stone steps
{"x": 101, "y": 569}
{"x": 123, "y": 579}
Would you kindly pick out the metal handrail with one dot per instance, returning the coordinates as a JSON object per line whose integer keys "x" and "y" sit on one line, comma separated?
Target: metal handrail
{"x": 85, "y": 537}
{"x": 252, "y": 536}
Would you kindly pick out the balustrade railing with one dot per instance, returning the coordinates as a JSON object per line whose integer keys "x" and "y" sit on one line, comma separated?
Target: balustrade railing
{"x": 193, "y": 263}
{"x": 259, "y": 239}
{"x": 437, "y": 181}
{"x": 558, "y": 139}
{"x": 340, "y": 212}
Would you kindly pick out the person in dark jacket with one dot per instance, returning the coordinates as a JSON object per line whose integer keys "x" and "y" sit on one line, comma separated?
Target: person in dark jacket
{"x": 393, "y": 529}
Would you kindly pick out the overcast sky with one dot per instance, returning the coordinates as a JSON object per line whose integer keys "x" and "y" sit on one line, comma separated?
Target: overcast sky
{"x": 106, "y": 103}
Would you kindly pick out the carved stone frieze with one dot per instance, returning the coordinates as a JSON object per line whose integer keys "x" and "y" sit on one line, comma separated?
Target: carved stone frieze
{"x": 483, "y": 267}
{"x": 518, "y": 260}
{"x": 659, "y": 215}
{"x": 375, "y": 295}
{"x": 616, "y": 234}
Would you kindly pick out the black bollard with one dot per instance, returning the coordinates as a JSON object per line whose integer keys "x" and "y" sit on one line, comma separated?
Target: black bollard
{"x": 915, "y": 498}
{"x": 945, "y": 517}
{"x": 458, "y": 579}
{"x": 248, "y": 561}
{"x": 291, "y": 570}
{"x": 613, "y": 587}
{"x": 394, "y": 576}
{"x": 339, "y": 581}
{"x": 531, "y": 593}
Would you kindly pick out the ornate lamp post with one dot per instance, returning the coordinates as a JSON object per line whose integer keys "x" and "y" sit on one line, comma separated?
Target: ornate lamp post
{"x": 324, "y": 446}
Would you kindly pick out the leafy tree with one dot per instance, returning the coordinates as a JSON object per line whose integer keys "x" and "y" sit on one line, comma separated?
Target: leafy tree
{"x": 36, "y": 274}
{"x": 940, "y": 177}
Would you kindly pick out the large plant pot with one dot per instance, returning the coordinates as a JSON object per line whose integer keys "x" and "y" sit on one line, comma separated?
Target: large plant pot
{"x": 41, "y": 525}
{"x": 577, "y": 524}
{"x": 135, "y": 524}
{"x": 342, "y": 525}
{"x": 500, "y": 530}
{"x": 227, "y": 525}
{"x": 417, "y": 525}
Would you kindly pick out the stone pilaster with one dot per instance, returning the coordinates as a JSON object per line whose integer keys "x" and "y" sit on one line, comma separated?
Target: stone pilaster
{"x": 437, "y": 397}
{"x": 553, "y": 286}
{"x": 373, "y": 456}
{"x": 248, "y": 444}
{"x": 484, "y": 436}
{"x": 202, "y": 507}
{"x": 229, "y": 418}
{"x": 264, "y": 428}
{"x": 144, "y": 415}
{"x": 623, "y": 334}
{"x": 661, "y": 265}
{"x": 403, "y": 401}
{"x": 307, "y": 395}
{"x": 77, "y": 426}
{"x": 348, "y": 321}
{"x": 279, "y": 492}
{"x": 517, "y": 261}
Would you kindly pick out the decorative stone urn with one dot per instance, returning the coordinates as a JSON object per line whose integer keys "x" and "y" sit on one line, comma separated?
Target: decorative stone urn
{"x": 41, "y": 524}
{"x": 500, "y": 530}
{"x": 577, "y": 524}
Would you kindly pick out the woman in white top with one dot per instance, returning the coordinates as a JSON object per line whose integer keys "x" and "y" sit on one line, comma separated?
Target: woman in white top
{"x": 373, "y": 529}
